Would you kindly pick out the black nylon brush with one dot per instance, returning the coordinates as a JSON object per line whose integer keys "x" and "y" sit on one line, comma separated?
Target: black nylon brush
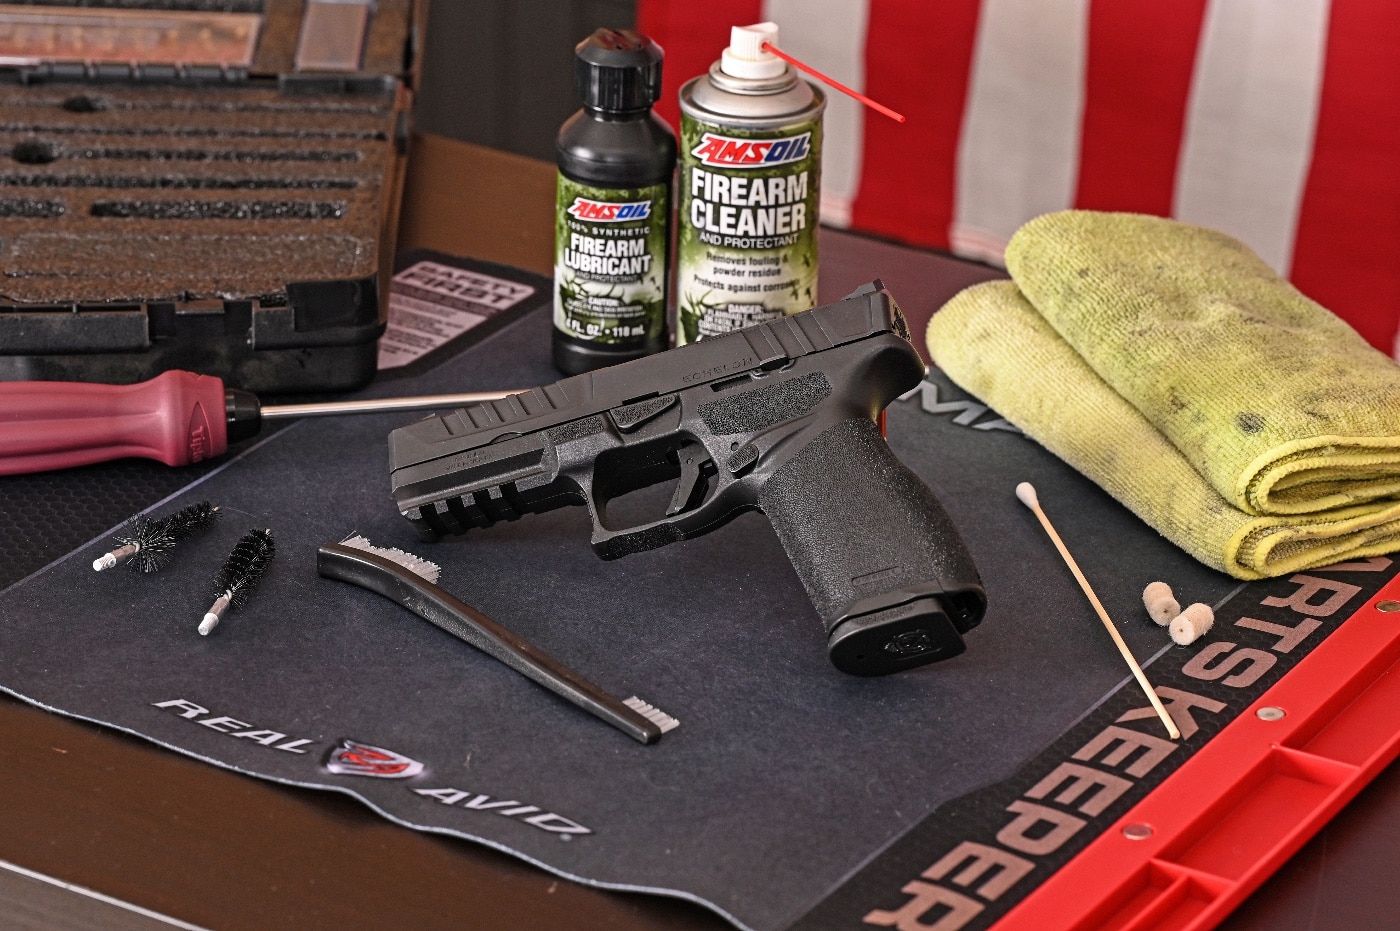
{"x": 145, "y": 544}
{"x": 240, "y": 574}
{"x": 409, "y": 580}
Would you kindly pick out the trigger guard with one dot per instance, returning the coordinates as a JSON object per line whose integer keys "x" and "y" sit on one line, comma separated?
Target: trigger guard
{"x": 614, "y": 544}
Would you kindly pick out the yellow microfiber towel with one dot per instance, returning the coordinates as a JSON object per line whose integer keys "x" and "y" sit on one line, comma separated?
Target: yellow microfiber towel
{"x": 1279, "y": 404}
{"x": 992, "y": 342}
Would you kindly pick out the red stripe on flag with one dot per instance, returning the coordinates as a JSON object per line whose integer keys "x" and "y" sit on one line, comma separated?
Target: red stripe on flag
{"x": 692, "y": 35}
{"x": 1137, "y": 83}
{"x": 1347, "y": 251}
{"x": 918, "y": 60}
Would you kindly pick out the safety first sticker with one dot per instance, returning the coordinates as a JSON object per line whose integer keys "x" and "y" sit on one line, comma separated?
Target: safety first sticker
{"x": 431, "y": 303}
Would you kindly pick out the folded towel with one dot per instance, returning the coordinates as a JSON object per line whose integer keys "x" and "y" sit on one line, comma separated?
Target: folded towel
{"x": 993, "y": 343}
{"x": 1277, "y": 402}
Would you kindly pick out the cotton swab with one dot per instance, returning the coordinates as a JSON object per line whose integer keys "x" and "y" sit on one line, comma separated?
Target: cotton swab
{"x": 1025, "y": 492}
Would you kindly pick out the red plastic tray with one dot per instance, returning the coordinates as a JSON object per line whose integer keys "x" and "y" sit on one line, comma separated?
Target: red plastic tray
{"x": 1215, "y": 829}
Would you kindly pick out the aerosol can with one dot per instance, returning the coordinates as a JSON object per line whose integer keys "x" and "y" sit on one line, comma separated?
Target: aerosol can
{"x": 750, "y": 173}
{"x": 613, "y": 209}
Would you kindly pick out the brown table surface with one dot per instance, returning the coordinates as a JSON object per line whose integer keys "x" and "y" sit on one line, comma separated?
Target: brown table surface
{"x": 201, "y": 845}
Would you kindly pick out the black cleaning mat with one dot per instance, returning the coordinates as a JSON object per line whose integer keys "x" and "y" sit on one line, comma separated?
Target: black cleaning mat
{"x": 785, "y": 775}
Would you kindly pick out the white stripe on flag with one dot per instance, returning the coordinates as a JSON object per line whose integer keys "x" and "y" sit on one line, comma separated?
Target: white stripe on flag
{"x": 1018, "y": 154}
{"x": 1250, "y": 121}
{"x": 831, "y": 40}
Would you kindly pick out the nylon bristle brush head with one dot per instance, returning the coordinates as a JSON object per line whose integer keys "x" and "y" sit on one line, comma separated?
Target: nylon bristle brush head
{"x": 410, "y": 561}
{"x": 653, "y": 714}
{"x": 145, "y": 544}
{"x": 241, "y": 572}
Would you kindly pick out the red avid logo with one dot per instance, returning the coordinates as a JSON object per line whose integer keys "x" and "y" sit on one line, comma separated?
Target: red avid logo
{"x": 600, "y": 211}
{"x": 729, "y": 152}
{"x": 352, "y": 758}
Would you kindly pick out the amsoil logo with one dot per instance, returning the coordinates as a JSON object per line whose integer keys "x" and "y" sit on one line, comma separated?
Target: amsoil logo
{"x": 729, "y": 152}
{"x": 352, "y": 758}
{"x": 598, "y": 211}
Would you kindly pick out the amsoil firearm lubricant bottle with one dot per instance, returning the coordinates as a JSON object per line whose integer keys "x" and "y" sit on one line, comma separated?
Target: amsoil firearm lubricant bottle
{"x": 613, "y": 210}
{"x": 749, "y": 187}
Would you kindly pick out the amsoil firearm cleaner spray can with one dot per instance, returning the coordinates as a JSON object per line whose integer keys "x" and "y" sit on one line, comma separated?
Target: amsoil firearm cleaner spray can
{"x": 612, "y": 220}
{"x": 749, "y": 189}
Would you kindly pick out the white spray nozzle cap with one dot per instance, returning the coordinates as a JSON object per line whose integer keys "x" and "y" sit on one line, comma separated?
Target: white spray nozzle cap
{"x": 746, "y": 57}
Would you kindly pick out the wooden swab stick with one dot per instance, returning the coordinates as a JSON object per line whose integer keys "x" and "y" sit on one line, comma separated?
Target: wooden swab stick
{"x": 1026, "y": 493}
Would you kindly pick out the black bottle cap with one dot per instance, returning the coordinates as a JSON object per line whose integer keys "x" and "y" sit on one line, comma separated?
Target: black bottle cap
{"x": 618, "y": 69}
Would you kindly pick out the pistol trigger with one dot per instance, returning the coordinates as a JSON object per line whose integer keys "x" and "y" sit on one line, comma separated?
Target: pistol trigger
{"x": 584, "y": 478}
{"x": 690, "y": 489}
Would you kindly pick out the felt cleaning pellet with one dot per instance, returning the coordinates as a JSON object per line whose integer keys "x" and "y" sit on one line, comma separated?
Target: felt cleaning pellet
{"x": 1161, "y": 604}
{"x": 1191, "y": 624}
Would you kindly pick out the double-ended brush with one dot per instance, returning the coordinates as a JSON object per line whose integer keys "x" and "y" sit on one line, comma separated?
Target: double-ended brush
{"x": 409, "y": 580}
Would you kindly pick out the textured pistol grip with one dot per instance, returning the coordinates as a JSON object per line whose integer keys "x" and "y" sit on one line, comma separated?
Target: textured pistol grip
{"x": 882, "y": 563}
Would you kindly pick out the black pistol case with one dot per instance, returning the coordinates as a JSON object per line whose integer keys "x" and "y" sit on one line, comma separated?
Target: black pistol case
{"x": 203, "y": 185}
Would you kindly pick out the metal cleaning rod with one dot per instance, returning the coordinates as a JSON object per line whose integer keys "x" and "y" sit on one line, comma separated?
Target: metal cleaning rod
{"x": 424, "y": 402}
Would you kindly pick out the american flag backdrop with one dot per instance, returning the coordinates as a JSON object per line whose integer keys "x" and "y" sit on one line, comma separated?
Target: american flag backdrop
{"x": 1277, "y": 121}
